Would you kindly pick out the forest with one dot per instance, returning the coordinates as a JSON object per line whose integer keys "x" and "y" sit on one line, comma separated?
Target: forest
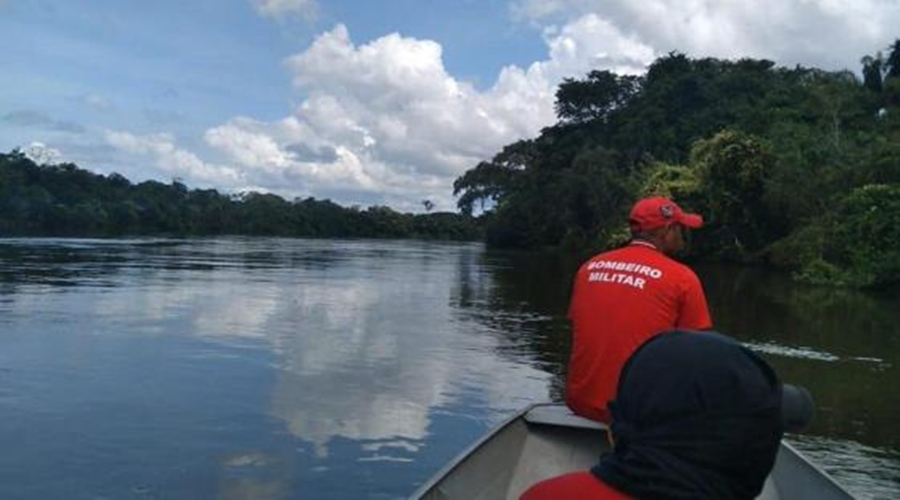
{"x": 65, "y": 200}
{"x": 794, "y": 168}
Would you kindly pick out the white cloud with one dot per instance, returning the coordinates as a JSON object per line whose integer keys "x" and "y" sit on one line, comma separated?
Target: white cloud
{"x": 833, "y": 34}
{"x": 248, "y": 147}
{"x": 384, "y": 122}
{"x": 41, "y": 154}
{"x": 392, "y": 100}
{"x": 380, "y": 123}
{"x": 177, "y": 162}
{"x": 267, "y": 153}
{"x": 591, "y": 42}
{"x": 283, "y": 9}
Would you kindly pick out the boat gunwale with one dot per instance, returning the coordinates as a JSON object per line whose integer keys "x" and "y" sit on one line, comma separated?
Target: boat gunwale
{"x": 457, "y": 460}
{"x": 819, "y": 471}
{"x": 523, "y": 414}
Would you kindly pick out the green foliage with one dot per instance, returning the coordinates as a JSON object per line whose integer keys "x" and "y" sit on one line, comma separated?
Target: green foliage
{"x": 873, "y": 72}
{"x": 865, "y": 236}
{"x": 823, "y": 273}
{"x": 596, "y": 97}
{"x": 489, "y": 182}
{"x": 891, "y": 92}
{"x": 892, "y": 64}
{"x": 733, "y": 169}
{"x": 64, "y": 200}
{"x": 677, "y": 182}
{"x": 857, "y": 244}
{"x": 766, "y": 154}
{"x": 595, "y": 191}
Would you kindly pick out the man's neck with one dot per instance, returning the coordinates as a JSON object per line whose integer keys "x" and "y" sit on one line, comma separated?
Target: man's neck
{"x": 645, "y": 243}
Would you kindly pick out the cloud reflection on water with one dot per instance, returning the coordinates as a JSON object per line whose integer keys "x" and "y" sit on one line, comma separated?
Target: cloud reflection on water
{"x": 367, "y": 364}
{"x": 365, "y": 350}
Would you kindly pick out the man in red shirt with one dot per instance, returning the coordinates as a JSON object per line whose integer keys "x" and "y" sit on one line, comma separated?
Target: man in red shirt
{"x": 623, "y": 297}
{"x": 695, "y": 416}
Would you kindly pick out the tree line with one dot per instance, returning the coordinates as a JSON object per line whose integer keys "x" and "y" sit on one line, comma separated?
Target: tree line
{"x": 65, "y": 200}
{"x": 796, "y": 168}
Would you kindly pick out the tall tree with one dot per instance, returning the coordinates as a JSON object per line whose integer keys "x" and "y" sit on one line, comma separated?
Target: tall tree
{"x": 892, "y": 63}
{"x": 596, "y": 97}
{"x": 873, "y": 72}
{"x": 490, "y": 181}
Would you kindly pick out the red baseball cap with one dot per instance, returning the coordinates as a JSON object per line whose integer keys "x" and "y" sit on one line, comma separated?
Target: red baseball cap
{"x": 656, "y": 212}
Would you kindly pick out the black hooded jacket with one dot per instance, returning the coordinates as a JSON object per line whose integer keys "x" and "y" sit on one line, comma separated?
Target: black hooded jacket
{"x": 697, "y": 416}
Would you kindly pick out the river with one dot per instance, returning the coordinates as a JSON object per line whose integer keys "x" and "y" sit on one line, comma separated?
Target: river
{"x": 282, "y": 368}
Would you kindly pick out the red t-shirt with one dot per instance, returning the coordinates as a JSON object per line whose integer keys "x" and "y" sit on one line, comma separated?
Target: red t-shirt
{"x": 572, "y": 486}
{"x": 620, "y": 299}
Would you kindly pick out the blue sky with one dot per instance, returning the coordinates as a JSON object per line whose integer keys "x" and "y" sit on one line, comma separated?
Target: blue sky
{"x": 362, "y": 102}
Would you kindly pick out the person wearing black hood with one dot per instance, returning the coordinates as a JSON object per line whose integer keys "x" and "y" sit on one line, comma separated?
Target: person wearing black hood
{"x": 696, "y": 416}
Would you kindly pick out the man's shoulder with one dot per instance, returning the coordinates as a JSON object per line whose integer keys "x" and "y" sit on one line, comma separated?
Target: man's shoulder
{"x": 679, "y": 269}
{"x": 676, "y": 264}
{"x": 670, "y": 267}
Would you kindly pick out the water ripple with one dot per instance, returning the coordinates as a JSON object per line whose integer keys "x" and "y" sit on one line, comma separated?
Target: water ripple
{"x": 802, "y": 352}
{"x": 867, "y": 472}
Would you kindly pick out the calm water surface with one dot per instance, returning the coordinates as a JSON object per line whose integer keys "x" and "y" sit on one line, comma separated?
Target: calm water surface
{"x": 279, "y": 368}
